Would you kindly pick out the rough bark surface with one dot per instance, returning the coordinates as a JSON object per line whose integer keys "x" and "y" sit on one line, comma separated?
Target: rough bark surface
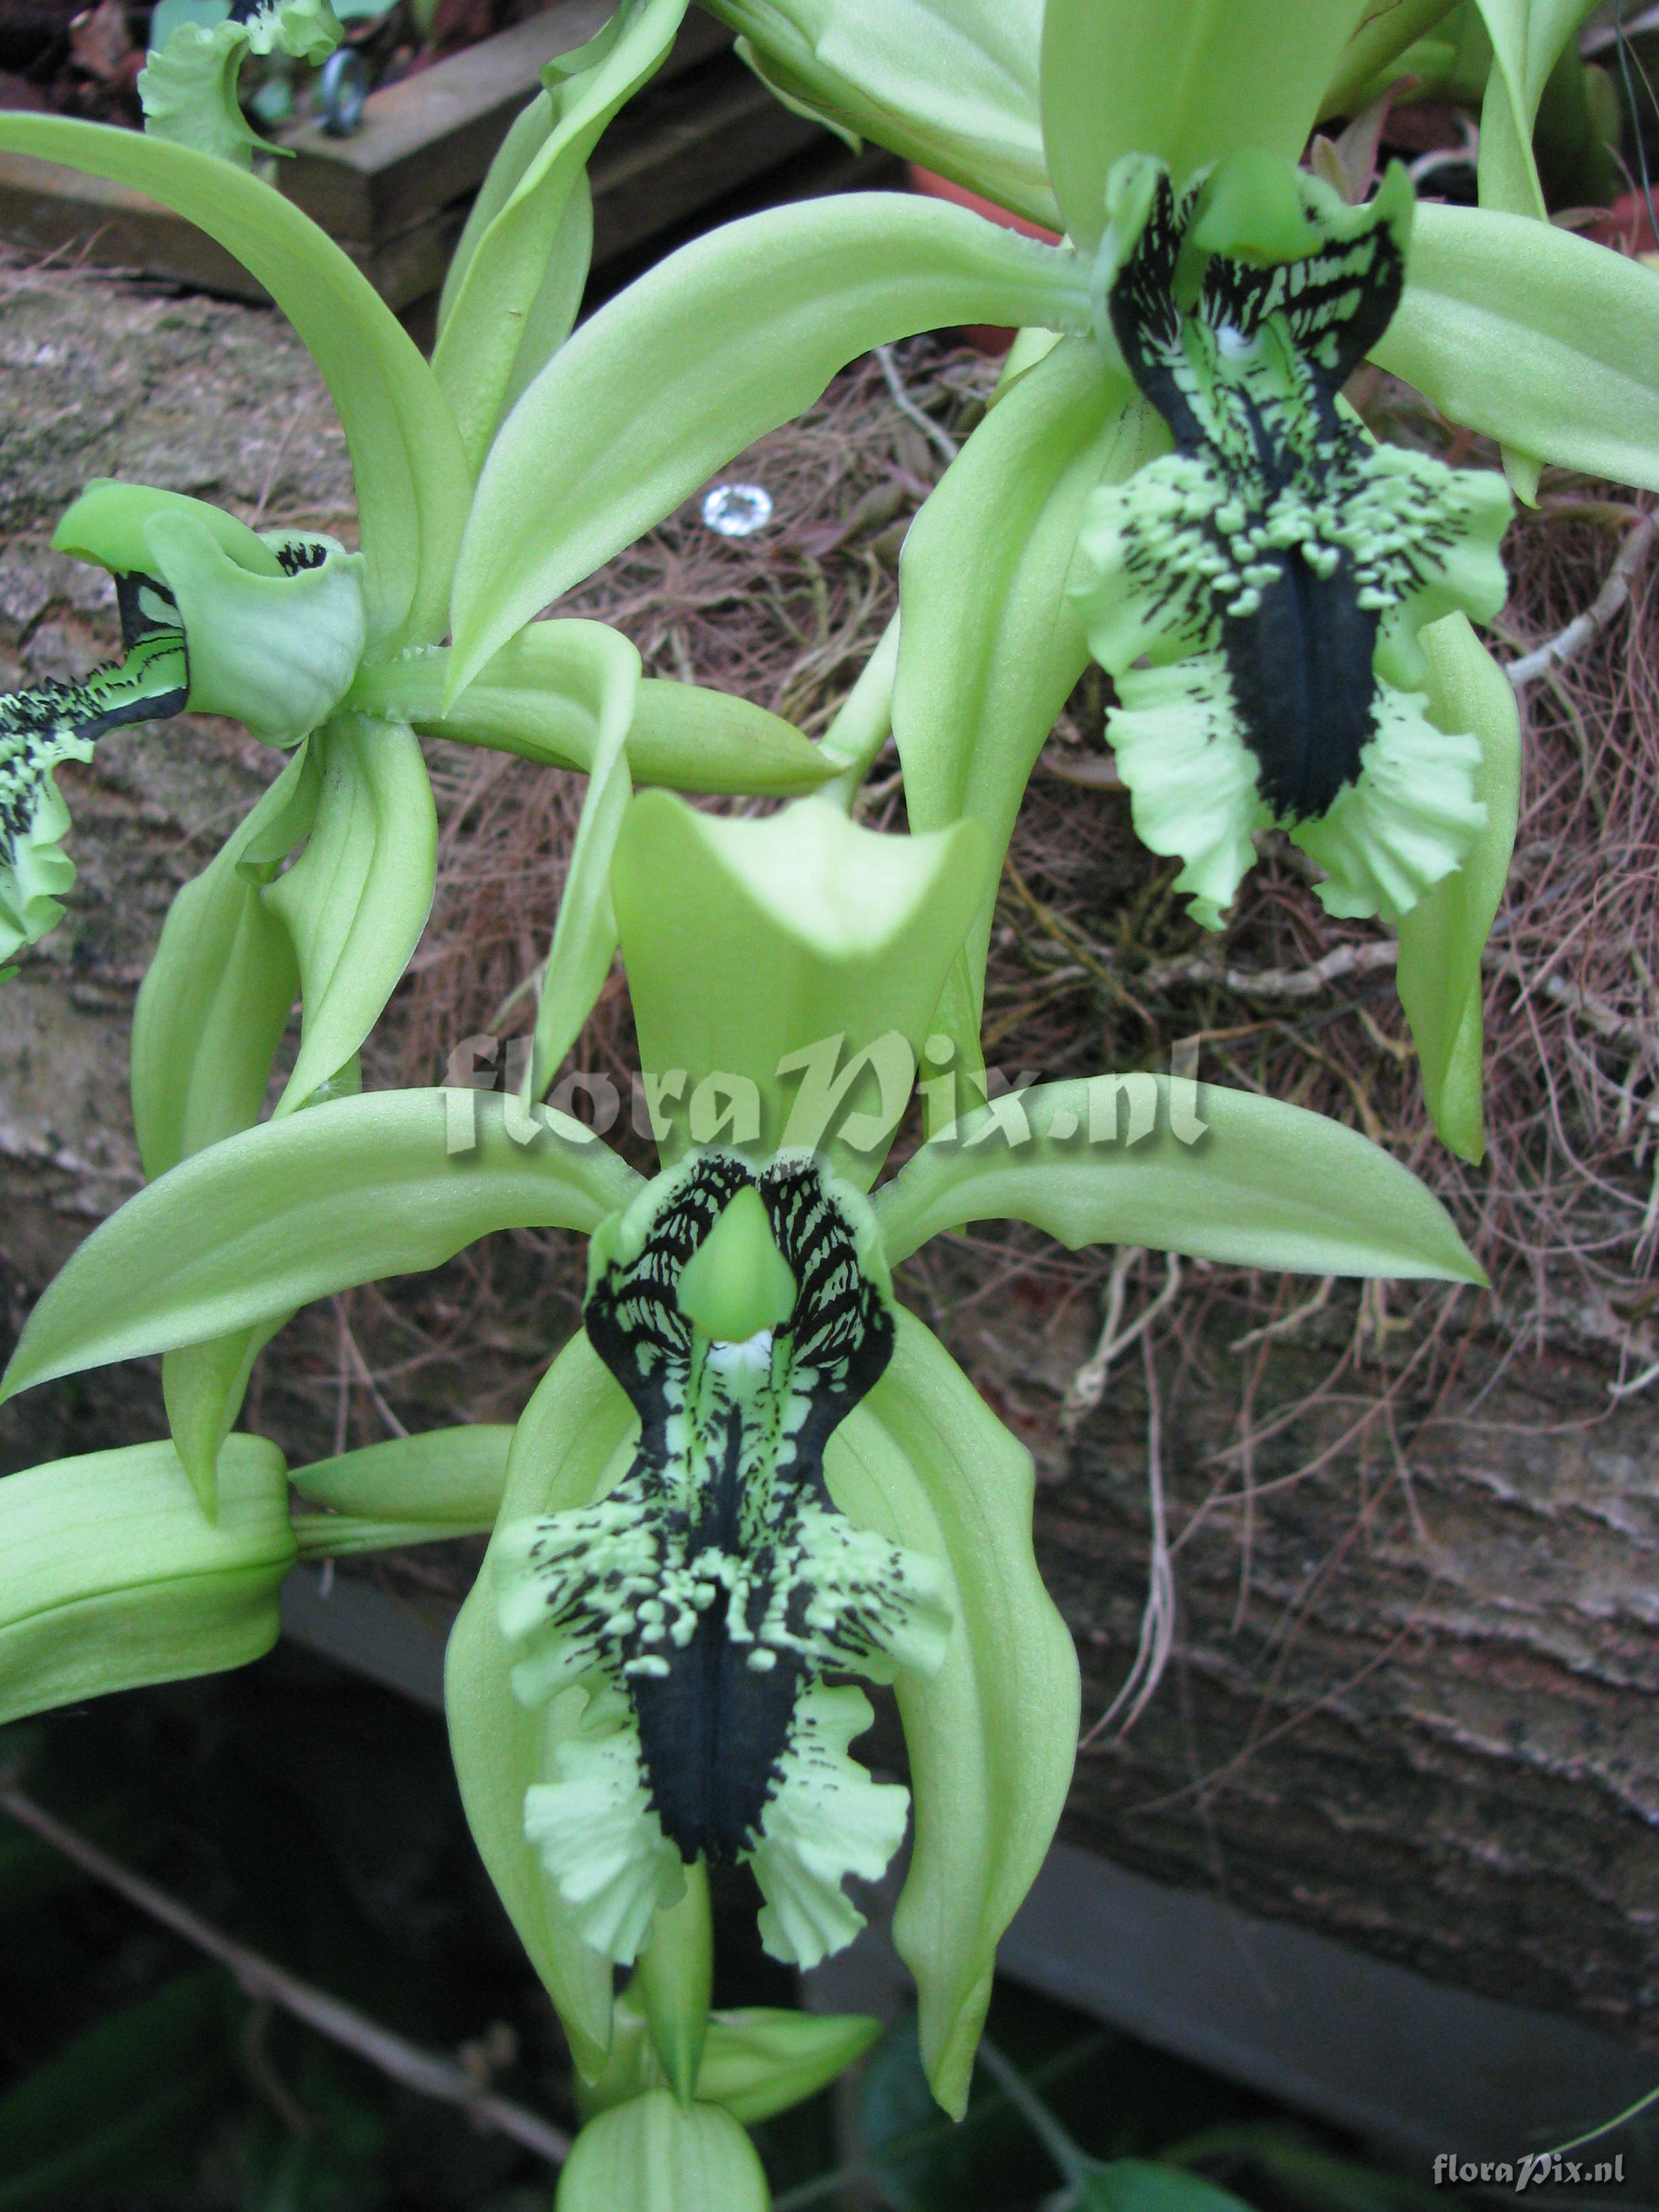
{"x": 1411, "y": 1698}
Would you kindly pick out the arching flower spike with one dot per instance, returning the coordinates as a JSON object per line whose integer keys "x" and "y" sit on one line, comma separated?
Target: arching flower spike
{"x": 1257, "y": 593}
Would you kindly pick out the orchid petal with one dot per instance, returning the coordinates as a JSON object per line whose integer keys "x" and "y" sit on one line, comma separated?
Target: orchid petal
{"x": 1543, "y": 340}
{"x": 756, "y": 317}
{"x": 1442, "y": 939}
{"x": 564, "y": 1451}
{"x": 1222, "y": 1175}
{"x": 349, "y": 1191}
{"x": 1188, "y": 82}
{"x": 992, "y": 1735}
{"x": 796, "y": 944}
{"x": 525, "y": 267}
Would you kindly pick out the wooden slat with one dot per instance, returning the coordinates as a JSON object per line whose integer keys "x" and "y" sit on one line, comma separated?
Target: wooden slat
{"x": 429, "y": 139}
{"x": 395, "y": 194}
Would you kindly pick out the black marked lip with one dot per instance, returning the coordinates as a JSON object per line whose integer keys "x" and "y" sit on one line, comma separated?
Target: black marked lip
{"x": 1303, "y": 681}
{"x": 714, "y": 1728}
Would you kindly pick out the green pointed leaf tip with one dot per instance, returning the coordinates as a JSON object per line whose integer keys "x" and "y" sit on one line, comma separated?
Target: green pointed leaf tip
{"x": 274, "y": 626}
{"x": 411, "y": 476}
{"x": 111, "y": 1575}
{"x": 799, "y": 940}
{"x": 348, "y": 1192}
{"x": 447, "y": 1474}
{"x": 652, "y": 2155}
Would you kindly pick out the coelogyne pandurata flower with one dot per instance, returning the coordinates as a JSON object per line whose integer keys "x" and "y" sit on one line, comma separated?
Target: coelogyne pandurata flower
{"x": 1256, "y": 594}
{"x": 745, "y": 1313}
{"x": 214, "y": 616}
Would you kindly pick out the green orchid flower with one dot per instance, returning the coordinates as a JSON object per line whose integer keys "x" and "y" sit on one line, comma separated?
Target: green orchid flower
{"x": 1257, "y": 594}
{"x": 188, "y": 86}
{"x": 1536, "y": 338}
{"x": 753, "y": 1474}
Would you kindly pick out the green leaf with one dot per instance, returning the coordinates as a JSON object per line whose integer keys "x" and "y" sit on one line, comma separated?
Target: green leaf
{"x": 756, "y": 318}
{"x": 992, "y": 1736}
{"x": 535, "y": 699}
{"x": 1179, "y": 1167}
{"x": 563, "y": 1455}
{"x": 652, "y": 2155}
{"x": 989, "y": 646}
{"x": 1139, "y": 2184}
{"x": 585, "y": 934}
{"x": 445, "y": 1474}
{"x": 346, "y": 1192}
{"x": 798, "y": 938}
{"x": 111, "y": 1576}
{"x": 1380, "y": 41}
{"x": 1186, "y": 81}
{"x": 355, "y": 902}
{"x": 528, "y": 263}
{"x": 1526, "y": 37}
{"x": 1543, "y": 340}
{"x": 949, "y": 83}
{"x": 93, "y": 2116}
{"x": 411, "y": 472}
{"x": 1442, "y": 939}
{"x": 203, "y": 1386}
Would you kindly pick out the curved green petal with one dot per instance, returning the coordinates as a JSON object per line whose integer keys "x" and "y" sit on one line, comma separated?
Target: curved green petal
{"x": 525, "y": 245}
{"x": 585, "y": 934}
{"x": 216, "y": 997}
{"x": 989, "y": 646}
{"x": 345, "y": 1192}
{"x": 950, "y": 84}
{"x": 654, "y": 2155}
{"x": 992, "y": 1735}
{"x": 564, "y": 1453}
{"x": 798, "y": 946}
{"x": 1542, "y": 340}
{"x": 411, "y": 475}
{"x": 1186, "y": 81}
{"x": 1179, "y": 1167}
{"x": 756, "y": 317}
{"x": 111, "y": 1576}
{"x": 188, "y": 86}
{"x": 1442, "y": 939}
{"x": 355, "y": 903}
